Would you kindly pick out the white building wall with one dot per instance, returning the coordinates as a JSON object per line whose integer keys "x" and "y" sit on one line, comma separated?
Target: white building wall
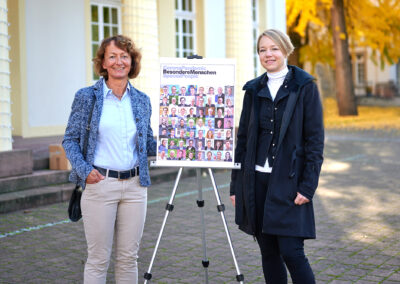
{"x": 55, "y": 52}
{"x": 214, "y": 14}
{"x": 276, "y": 14}
{"x": 374, "y": 72}
{"x": 5, "y": 102}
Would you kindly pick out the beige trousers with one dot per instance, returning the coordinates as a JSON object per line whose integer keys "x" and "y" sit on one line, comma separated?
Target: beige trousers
{"x": 113, "y": 210}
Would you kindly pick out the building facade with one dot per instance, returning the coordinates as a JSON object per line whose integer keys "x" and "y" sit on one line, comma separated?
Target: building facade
{"x": 52, "y": 43}
{"x": 47, "y": 49}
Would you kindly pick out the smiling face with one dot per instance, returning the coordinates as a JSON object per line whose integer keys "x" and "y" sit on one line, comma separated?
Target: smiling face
{"x": 117, "y": 62}
{"x": 183, "y": 91}
{"x": 271, "y": 57}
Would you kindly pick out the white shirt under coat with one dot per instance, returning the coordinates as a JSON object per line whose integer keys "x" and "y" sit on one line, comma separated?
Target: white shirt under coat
{"x": 275, "y": 81}
{"x": 116, "y": 137}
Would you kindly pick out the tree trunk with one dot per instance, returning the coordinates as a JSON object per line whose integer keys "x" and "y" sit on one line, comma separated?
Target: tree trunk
{"x": 294, "y": 58}
{"x": 346, "y": 99}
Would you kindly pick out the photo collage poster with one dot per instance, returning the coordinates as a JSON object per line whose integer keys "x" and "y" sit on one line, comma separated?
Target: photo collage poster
{"x": 196, "y": 113}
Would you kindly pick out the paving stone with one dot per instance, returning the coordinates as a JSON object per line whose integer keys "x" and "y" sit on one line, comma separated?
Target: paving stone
{"x": 356, "y": 209}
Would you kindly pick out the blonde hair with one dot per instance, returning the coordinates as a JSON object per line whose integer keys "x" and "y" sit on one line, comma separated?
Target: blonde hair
{"x": 281, "y": 39}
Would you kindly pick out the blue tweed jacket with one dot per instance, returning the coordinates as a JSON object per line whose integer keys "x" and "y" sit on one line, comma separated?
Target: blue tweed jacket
{"x": 76, "y": 130}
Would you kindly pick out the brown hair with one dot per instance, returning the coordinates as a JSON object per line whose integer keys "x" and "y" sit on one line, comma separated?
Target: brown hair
{"x": 124, "y": 43}
{"x": 281, "y": 39}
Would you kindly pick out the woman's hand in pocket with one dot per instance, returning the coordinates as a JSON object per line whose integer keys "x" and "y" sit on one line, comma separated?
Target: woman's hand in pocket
{"x": 301, "y": 199}
{"x": 94, "y": 177}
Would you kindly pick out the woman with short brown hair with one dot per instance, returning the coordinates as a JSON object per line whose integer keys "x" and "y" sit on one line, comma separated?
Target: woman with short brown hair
{"x": 114, "y": 174}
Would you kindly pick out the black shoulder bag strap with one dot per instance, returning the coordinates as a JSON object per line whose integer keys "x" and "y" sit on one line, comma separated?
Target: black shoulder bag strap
{"x": 74, "y": 207}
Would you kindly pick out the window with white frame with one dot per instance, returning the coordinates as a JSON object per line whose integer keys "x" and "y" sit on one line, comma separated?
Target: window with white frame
{"x": 105, "y": 22}
{"x": 254, "y": 6}
{"x": 360, "y": 69}
{"x": 185, "y": 19}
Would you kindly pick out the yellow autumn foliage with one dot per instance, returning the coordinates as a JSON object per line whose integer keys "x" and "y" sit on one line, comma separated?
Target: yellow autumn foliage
{"x": 369, "y": 117}
{"x": 370, "y": 23}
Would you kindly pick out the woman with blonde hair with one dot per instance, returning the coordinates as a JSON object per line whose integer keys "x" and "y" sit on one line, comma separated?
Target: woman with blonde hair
{"x": 280, "y": 143}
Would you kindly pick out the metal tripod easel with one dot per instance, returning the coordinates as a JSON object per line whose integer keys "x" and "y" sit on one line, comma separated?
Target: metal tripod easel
{"x": 200, "y": 204}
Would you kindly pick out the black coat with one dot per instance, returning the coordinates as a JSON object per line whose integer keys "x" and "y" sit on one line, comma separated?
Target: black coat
{"x": 297, "y": 164}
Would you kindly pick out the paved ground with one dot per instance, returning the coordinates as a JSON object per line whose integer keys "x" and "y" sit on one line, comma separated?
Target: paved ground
{"x": 358, "y": 227}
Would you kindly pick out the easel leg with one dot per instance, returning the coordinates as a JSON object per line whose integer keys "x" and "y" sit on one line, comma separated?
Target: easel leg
{"x": 200, "y": 204}
{"x": 168, "y": 208}
{"x": 221, "y": 209}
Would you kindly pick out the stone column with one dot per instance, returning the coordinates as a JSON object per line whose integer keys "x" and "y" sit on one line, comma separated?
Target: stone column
{"x": 140, "y": 22}
{"x": 239, "y": 45}
{"x": 5, "y": 89}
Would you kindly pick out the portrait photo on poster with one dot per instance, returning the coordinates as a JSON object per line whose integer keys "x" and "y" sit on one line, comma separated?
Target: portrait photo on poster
{"x": 196, "y": 113}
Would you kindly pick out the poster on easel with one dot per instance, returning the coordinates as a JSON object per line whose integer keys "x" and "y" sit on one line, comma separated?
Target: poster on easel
{"x": 196, "y": 113}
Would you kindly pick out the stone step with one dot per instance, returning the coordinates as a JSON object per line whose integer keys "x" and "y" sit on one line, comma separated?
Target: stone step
{"x": 36, "y": 179}
{"x": 26, "y": 196}
{"x": 35, "y": 197}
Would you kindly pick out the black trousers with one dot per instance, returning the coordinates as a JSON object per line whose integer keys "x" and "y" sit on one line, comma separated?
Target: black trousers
{"x": 279, "y": 252}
